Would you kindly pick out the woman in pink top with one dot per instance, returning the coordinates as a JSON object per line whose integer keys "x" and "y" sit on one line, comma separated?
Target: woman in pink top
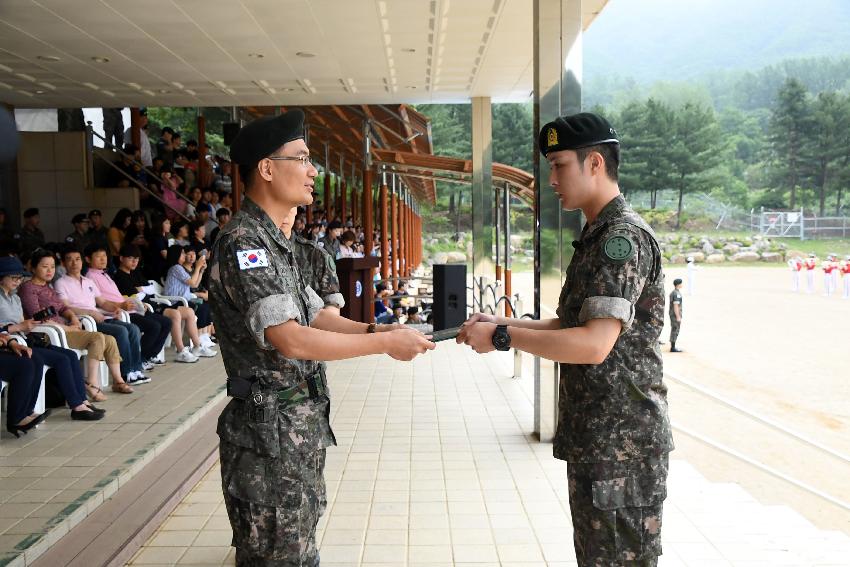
{"x": 170, "y": 182}
{"x": 37, "y": 295}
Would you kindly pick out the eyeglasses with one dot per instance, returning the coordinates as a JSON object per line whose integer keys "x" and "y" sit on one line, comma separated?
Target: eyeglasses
{"x": 305, "y": 160}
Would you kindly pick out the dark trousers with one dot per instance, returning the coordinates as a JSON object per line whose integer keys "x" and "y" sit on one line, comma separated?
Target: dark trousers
{"x": 128, "y": 337}
{"x": 24, "y": 378}
{"x": 155, "y": 329}
{"x": 69, "y": 374}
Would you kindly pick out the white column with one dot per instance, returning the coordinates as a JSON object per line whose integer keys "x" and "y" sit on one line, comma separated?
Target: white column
{"x": 482, "y": 188}
{"x": 557, "y": 92}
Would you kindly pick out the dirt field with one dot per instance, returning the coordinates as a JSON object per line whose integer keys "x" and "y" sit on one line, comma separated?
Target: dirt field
{"x": 785, "y": 356}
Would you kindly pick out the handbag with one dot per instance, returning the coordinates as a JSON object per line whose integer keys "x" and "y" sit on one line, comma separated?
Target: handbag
{"x": 37, "y": 340}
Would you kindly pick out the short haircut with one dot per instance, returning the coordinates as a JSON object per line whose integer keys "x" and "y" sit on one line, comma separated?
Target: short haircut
{"x": 610, "y": 153}
{"x": 348, "y": 236}
{"x": 677, "y": 281}
{"x": 223, "y": 211}
{"x": 69, "y": 249}
{"x": 247, "y": 172}
{"x": 168, "y": 130}
{"x": 92, "y": 248}
{"x": 130, "y": 251}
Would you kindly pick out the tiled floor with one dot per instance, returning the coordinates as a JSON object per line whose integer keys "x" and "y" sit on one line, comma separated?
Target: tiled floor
{"x": 53, "y": 477}
{"x": 435, "y": 468}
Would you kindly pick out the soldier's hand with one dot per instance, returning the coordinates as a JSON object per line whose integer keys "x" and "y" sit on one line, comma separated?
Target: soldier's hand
{"x": 479, "y": 336}
{"x": 474, "y": 318}
{"x": 407, "y": 344}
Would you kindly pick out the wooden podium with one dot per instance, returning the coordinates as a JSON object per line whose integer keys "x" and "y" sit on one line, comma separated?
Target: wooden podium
{"x": 355, "y": 284}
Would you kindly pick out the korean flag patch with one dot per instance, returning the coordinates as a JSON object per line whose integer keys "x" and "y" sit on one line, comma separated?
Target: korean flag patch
{"x": 249, "y": 259}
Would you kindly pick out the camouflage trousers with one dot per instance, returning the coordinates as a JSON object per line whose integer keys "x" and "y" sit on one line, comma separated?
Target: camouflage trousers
{"x": 274, "y": 505}
{"x": 616, "y": 511}
{"x": 674, "y": 329}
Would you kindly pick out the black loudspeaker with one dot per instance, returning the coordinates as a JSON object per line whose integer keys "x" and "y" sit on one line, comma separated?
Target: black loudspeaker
{"x": 229, "y": 131}
{"x": 449, "y": 308}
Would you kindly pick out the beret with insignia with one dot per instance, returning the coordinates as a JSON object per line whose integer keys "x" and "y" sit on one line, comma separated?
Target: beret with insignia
{"x": 262, "y": 137}
{"x": 576, "y": 131}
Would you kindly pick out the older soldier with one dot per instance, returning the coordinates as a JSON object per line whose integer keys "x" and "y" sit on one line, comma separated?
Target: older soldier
{"x": 613, "y": 428}
{"x": 274, "y": 432}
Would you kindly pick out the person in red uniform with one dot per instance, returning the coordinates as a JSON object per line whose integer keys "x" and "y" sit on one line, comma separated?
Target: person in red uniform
{"x": 796, "y": 265}
{"x": 845, "y": 273}
{"x": 828, "y": 266}
{"x": 811, "y": 263}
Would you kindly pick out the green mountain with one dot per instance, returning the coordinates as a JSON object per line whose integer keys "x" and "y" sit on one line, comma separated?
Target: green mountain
{"x": 675, "y": 40}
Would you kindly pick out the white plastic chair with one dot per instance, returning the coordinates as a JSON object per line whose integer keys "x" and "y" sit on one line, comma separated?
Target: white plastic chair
{"x": 58, "y": 338}
{"x": 158, "y": 297}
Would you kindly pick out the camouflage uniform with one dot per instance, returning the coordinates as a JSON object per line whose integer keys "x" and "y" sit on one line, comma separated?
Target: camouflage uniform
{"x": 318, "y": 269}
{"x": 613, "y": 427}
{"x": 29, "y": 239}
{"x": 319, "y": 272}
{"x": 675, "y": 298}
{"x": 272, "y": 454}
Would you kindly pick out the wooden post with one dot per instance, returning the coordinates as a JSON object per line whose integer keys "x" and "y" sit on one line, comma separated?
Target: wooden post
{"x": 327, "y": 200}
{"x": 367, "y": 228}
{"x": 394, "y": 234}
{"x": 401, "y": 243}
{"x": 203, "y": 181}
{"x": 342, "y": 199}
{"x": 385, "y": 252}
{"x": 237, "y": 186}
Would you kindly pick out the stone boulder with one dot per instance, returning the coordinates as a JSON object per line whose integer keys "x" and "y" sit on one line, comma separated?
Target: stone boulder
{"x": 774, "y": 257}
{"x": 678, "y": 259}
{"x": 715, "y": 259}
{"x": 745, "y": 257}
{"x": 732, "y": 248}
{"x": 707, "y": 248}
{"x": 441, "y": 258}
{"x": 698, "y": 257}
{"x": 456, "y": 258}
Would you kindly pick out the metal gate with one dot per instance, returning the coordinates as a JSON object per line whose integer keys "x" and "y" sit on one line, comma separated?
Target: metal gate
{"x": 782, "y": 224}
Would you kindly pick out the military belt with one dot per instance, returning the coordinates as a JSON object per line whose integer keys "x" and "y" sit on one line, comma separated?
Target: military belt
{"x": 311, "y": 388}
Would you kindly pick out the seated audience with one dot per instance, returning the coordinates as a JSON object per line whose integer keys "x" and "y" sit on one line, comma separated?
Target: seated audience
{"x": 64, "y": 362}
{"x": 37, "y": 296}
{"x": 183, "y": 275}
{"x": 130, "y": 281}
{"x": 153, "y": 326}
{"x": 83, "y": 297}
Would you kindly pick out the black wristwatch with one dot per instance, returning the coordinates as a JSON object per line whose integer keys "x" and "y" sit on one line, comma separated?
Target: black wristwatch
{"x": 501, "y": 338}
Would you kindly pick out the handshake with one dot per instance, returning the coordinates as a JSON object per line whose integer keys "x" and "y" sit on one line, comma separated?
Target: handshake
{"x": 478, "y": 331}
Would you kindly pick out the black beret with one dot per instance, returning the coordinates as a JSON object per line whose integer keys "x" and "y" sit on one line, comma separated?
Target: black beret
{"x": 262, "y": 137}
{"x": 30, "y": 212}
{"x": 95, "y": 212}
{"x": 79, "y": 217}
{"x": 574, "y": 132}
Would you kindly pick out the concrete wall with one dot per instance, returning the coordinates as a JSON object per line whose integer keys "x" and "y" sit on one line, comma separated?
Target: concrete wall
{"x": 53, "y": 176}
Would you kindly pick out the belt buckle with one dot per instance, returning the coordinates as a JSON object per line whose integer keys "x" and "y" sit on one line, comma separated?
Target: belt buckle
{"x": 257, "y": 398}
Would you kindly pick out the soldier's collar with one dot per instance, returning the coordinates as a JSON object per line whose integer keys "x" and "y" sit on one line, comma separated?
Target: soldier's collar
{"x": 252, "y": 209}
{"x": 609, "y": 211}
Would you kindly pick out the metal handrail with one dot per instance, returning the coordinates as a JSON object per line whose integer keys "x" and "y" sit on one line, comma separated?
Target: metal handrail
{"x": 139, "y": 185}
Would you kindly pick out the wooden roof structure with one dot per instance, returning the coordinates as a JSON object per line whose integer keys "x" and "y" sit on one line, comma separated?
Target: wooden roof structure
{"x": 400, "y": 140}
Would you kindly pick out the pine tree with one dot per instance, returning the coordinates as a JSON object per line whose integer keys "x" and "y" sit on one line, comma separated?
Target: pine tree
{"x": 790, "y": 125}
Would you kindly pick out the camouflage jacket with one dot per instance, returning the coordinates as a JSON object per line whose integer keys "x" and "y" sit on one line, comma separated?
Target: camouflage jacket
{"x": 318, "y": 269}
{"x": 254, "y": 284}
{"x": 615, "y": 410}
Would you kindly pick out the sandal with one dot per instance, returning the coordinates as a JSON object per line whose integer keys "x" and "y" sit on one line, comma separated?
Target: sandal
{"x": 122, "y": 388}
{"x": 95, "y": 394}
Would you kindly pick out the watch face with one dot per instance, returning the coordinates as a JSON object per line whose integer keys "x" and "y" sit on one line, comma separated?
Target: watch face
{"x": 501, "y": 339}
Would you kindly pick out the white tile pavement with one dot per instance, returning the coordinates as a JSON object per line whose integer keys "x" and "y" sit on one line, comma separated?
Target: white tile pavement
{"x": 435, "y": 468}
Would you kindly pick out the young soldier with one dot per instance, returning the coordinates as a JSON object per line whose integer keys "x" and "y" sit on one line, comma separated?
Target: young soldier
{"x": 675, "y": 313}
{"x": 613, "y": 428}
{"x": 274, "y": 431}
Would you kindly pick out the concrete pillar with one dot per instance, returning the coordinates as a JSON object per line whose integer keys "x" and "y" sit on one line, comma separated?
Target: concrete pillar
{"x": 482, "y": 187}
{"x": 557, "y": 91}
